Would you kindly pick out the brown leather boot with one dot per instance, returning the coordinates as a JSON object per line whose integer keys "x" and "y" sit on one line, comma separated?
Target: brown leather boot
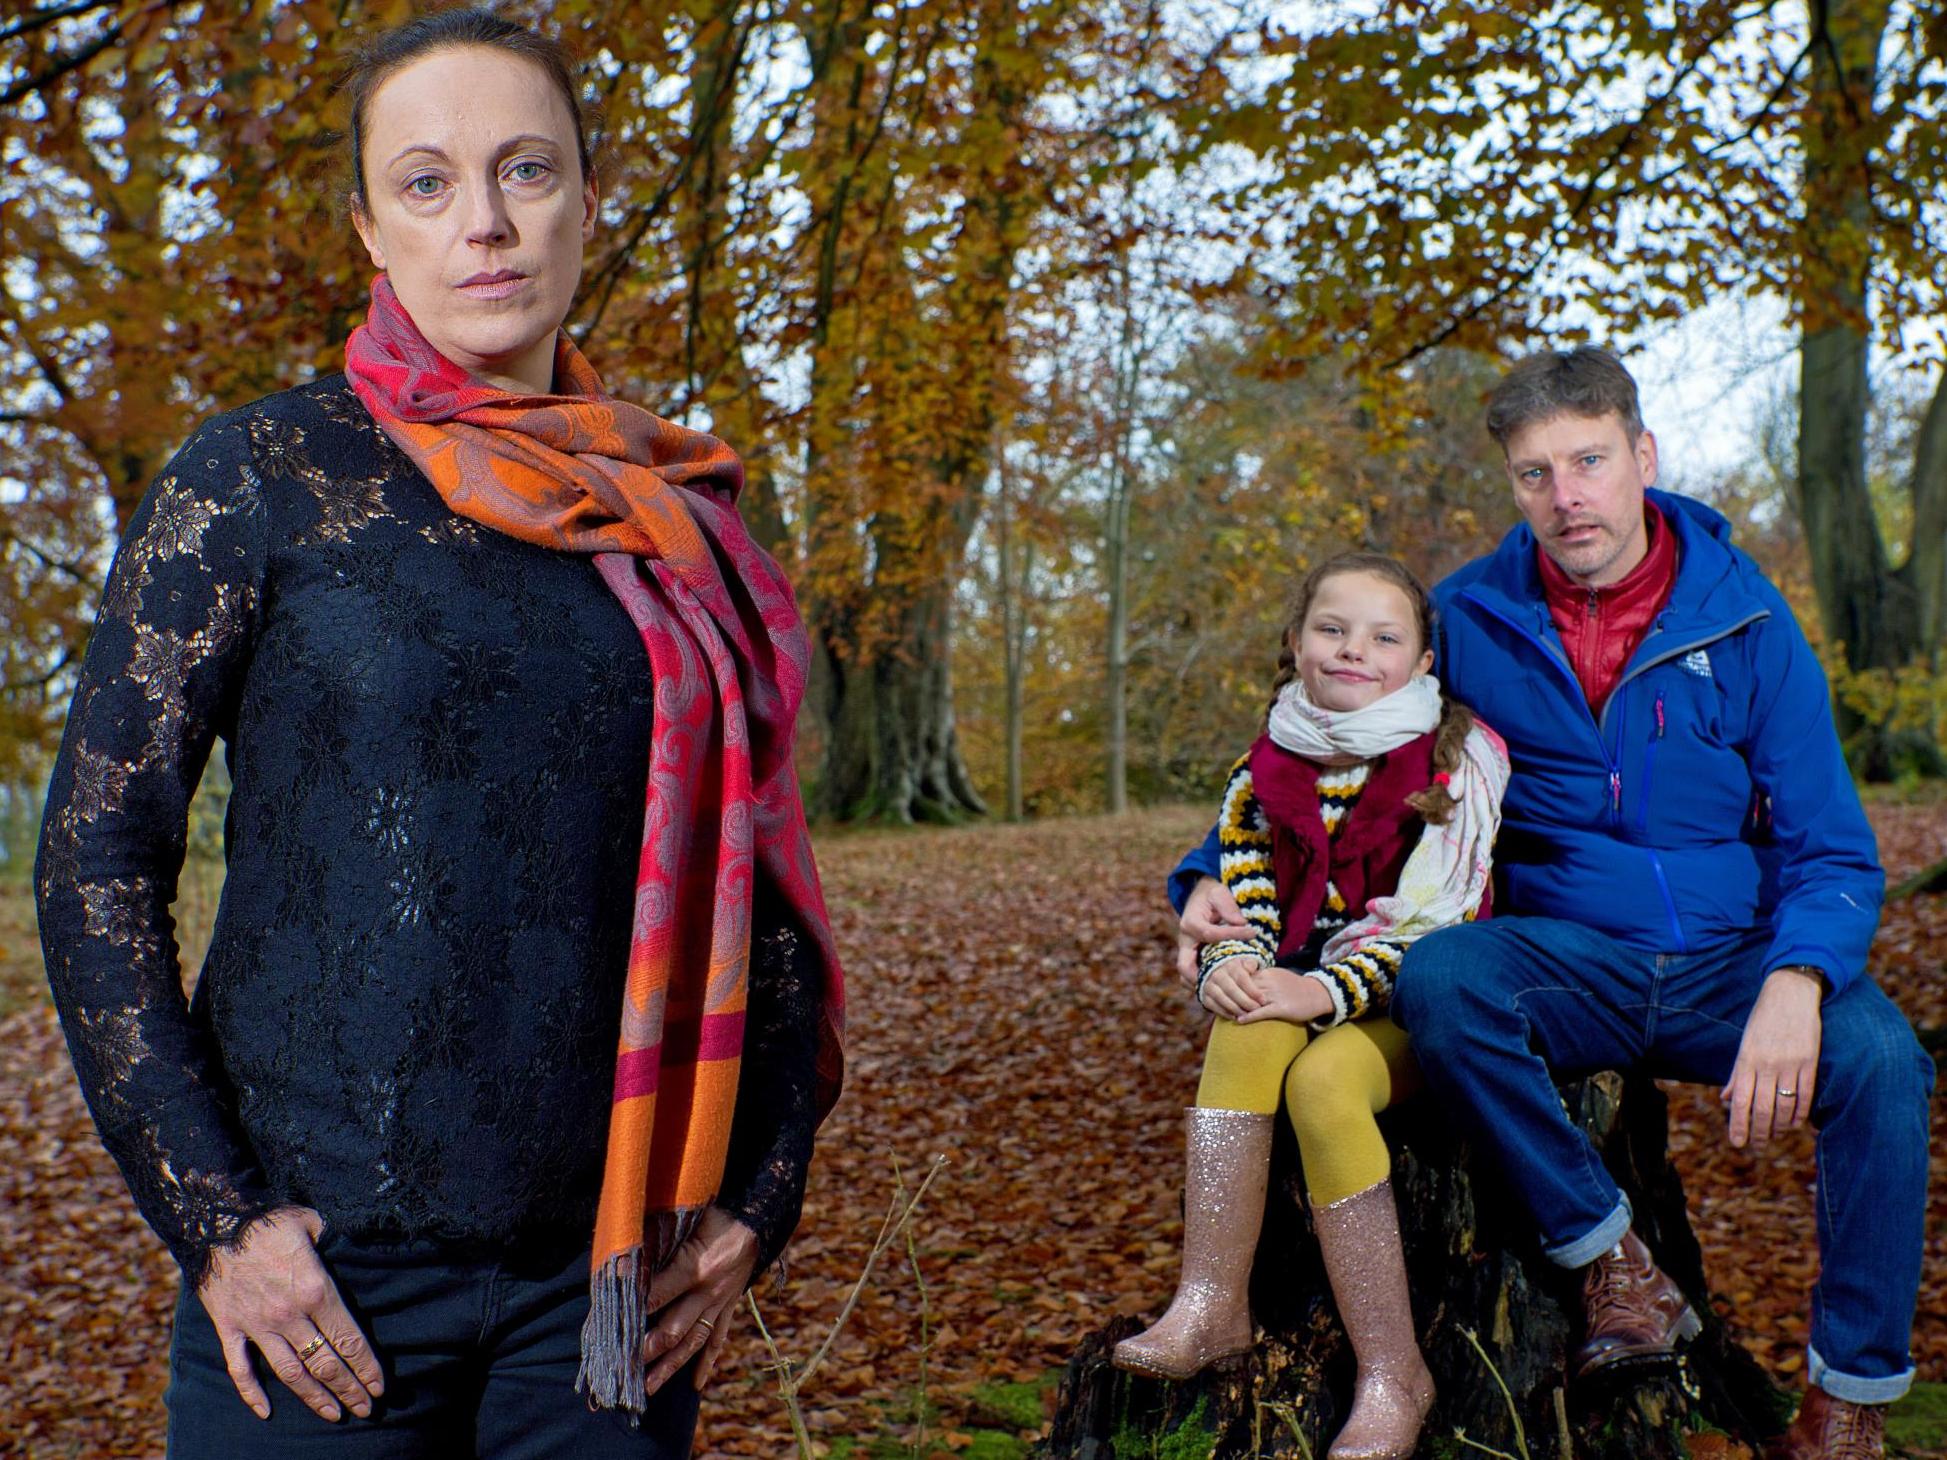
{"x": 1228, "y": 1167}
{"x": 1832, "y": 1429}
{"x": 1632, "y": 1312}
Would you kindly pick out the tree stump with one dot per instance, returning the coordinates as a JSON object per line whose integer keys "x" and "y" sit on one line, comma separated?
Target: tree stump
{"x": 1496, "y": 1320}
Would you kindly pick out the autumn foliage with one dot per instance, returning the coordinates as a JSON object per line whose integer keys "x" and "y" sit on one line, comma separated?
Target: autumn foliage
{"x": 1056, "y": 334}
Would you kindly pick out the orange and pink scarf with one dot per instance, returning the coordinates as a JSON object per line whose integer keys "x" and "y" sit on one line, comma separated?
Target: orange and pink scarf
{"x": 655, "y": 504}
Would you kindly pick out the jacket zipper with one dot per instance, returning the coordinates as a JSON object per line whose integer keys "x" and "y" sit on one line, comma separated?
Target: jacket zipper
{"x": 1669, "y": 904}
{"x": 1560, "y": 661}
{"x": 1649, "y": 764}
{"x": 1662, "y": 656}
{"x": 1591, "y": 635}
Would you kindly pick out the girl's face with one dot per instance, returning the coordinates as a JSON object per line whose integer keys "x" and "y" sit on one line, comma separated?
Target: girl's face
{"x": 477, "y": 209}
{"x": 1360, "y": 641}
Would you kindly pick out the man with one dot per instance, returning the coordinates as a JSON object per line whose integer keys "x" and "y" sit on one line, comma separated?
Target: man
{"x": 1689, "y": 888}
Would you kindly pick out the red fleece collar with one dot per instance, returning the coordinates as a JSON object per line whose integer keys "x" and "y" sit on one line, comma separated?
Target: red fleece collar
{"x": 1601, "y": 627}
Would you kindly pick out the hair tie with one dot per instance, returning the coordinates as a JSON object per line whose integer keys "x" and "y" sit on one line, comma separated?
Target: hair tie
{"x": 1441, "y": 779}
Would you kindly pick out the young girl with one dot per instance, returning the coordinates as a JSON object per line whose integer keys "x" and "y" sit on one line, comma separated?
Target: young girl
{"x": 1362, "y": 818}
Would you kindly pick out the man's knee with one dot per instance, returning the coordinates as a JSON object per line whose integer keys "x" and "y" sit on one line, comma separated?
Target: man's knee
{"x": 1870, "y": 1053}
{"x": 1442, "y": 983}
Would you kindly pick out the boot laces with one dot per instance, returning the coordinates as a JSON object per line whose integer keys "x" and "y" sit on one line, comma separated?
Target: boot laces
{"x": 1613, "y": 1286}
{"x": 1859, "y": 1430}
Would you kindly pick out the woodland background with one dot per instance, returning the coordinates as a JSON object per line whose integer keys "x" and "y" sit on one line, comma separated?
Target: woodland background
{"x": 1058, "y": 336}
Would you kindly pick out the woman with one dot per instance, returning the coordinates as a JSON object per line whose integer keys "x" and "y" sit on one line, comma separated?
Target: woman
{"x": 465, "y": 999}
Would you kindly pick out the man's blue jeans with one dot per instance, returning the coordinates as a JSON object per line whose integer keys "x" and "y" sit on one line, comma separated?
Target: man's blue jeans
{"x": 1500, "y": 1010}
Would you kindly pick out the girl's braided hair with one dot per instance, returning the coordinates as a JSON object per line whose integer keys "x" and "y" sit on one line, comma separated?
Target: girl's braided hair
{"x": 1436, "y": 803}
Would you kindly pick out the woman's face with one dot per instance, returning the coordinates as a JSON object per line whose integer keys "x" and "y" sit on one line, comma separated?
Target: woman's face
{"x": 1360, "y": 641}
{"x": 477, "y": 209}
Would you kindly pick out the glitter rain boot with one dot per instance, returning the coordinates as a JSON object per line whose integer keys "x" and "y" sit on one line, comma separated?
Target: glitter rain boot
{"x": 1359, "y": 1238}
{"x": 1229, "y": 1163}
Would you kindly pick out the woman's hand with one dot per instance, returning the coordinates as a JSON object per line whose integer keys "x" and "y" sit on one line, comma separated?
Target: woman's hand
{"x": 696, "y": 1295}
{"x": 1231, "y": 988}
{"x": 272, "y": 1290}
{"x": 1289, "y": 996}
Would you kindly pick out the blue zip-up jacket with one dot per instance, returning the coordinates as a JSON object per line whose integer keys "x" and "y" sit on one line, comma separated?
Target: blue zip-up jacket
{"x": 1709, "y": 800}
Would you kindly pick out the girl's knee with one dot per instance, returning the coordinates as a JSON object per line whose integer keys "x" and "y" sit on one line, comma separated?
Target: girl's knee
{"x": 1244, "y": 1067}
{"x": 1343, "y": 1077}
{"x": 1320, "y": 1115}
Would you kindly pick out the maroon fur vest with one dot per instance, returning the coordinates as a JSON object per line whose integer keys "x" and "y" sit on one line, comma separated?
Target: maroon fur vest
{"x": 1371, "y": 849}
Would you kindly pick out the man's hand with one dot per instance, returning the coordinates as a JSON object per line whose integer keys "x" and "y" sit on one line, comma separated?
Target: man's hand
{"x": 1209, "y": 916}
{"x": 1773, "y": 1081}
{"x": 1289, "y": 996}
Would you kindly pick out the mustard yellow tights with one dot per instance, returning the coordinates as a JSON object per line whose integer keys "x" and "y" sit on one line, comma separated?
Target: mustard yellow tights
{"x": 1332, "y": 1085}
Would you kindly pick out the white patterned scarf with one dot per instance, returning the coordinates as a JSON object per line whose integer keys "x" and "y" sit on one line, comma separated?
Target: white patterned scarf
{"x": 1338, "y": 737}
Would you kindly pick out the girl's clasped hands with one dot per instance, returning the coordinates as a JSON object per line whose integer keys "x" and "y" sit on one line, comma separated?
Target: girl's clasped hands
{"x": 1244, "y": 989}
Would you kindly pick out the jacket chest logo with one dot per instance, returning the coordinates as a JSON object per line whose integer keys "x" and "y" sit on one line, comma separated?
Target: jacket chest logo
{"x": 1697, "y": 662}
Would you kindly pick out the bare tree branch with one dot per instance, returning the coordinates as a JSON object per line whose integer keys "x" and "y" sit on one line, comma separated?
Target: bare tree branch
{"x": 67, "y": 568}
{"x": 1588, "y": 195}
{"x": 50, "y": 369}
{"x": 40, "y": 681}
{"x": 27, "y": 86}
{"x": 608, "y": 276}
{"x": 41, "y": 19}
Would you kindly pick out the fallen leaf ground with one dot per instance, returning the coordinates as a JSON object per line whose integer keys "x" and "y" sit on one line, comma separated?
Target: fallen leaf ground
{"x": 1011, "y": 1009}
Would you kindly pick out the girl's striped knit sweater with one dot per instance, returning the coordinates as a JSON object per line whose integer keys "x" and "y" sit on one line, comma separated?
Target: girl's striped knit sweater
{"x": 1359, "y": 985}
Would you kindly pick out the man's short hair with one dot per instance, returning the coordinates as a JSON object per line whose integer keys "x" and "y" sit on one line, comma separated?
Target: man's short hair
{"x": 1587, "y": 381}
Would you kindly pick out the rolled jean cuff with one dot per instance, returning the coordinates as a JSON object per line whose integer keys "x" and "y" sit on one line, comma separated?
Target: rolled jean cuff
{"x": 1596, "y": 1241}
{"x": 1851, "y": 1389}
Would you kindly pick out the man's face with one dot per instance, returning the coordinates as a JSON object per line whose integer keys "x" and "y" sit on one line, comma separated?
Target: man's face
{"x": 1579, "y": 481}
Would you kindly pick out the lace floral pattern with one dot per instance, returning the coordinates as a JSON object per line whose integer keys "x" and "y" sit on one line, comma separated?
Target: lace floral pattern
{"x": 438, "y": 741}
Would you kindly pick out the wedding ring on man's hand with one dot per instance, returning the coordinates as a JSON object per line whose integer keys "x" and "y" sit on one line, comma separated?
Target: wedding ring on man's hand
{"x": 304, "y": 1354}
{"x": 706, "y": 1325}
{"x": 1788, "y": 1094}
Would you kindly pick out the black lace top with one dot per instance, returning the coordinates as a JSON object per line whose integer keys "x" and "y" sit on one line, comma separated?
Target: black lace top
{"x": 438, "y": 740}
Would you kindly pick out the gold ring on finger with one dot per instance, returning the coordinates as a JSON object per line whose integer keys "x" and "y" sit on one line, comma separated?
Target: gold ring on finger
{"x": 1788, "y": 1094}
{"x": 304, "y": 1354}
{"x": 706, "y": 1325}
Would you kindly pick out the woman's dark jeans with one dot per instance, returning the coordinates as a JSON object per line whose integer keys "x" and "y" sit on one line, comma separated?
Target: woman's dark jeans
{"x": 479, "y": 1357}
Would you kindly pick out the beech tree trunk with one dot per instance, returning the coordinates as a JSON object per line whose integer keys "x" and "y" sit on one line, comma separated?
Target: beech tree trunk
{"x": 1861, "y": 604}
{"x": 1478, "y": 1276}
{"x": 892, "y": 753}
{"x": 1016, "y": 567}
{"x": 1885, "y": 617}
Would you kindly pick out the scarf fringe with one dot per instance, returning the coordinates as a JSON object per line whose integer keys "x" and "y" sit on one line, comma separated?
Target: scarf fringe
{"x": 619, "y": 1316}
